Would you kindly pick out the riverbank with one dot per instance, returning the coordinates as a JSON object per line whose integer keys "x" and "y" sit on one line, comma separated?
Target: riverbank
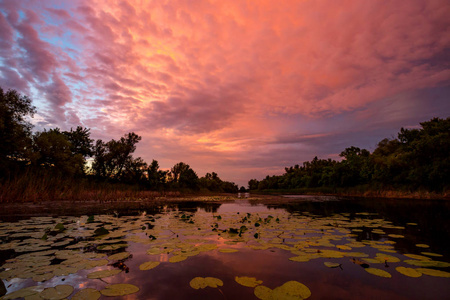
{"x": 358, "y": 192}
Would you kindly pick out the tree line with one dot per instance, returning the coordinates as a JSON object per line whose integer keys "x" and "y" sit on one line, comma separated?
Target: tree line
{"x": 418, "y": 159}
{"x": 55, "y": 152}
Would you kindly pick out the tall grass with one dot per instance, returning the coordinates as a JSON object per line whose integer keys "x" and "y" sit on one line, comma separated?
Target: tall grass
{"x": 37, "y": 187}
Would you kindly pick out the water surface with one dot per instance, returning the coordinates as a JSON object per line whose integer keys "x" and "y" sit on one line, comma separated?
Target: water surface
{"x": 273, "y": 241}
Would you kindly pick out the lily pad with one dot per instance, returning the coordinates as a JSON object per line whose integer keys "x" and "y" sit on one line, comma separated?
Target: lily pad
{"x": 149, "y": 265}
{"x": 177, "y": 258}
{"x": 378, "y": 272}
{"x": 410, "y": 272}
{"x": 103, "y": 273}
{"x": 228, "y": 250}
{"x": 119, "y": 289}
{"x": 203, "y": 282}
{"x": 291, "y": 290}
{"x": 248, "y": 281}
{"x": 432, "y": 272}
{"x": 22, "y": 293}
{"x": 263, "y": 292}
{"x": 331, "y": 264}
{"x": 87, "y": 294}
{"x": 57, "y": 292}
{"x": 213, "y": 282}
{"x": 119, "y": 256}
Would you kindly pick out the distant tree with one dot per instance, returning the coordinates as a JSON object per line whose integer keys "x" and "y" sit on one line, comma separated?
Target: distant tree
{"x": 156, "y": 179}
{"x": 80, "y": 140}
{"x": 253, "y": 184}
{"x": 184, "y": 177}
{"x": 112, "y": 158}
{"x": 15, "y": 130}
{"x": 53, "y": 151}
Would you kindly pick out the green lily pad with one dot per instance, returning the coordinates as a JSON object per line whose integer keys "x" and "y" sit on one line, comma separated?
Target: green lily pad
{"x": 119, "y": 256}
{"x": 432, "y": 254}
{"x": 87, "y": 294}
{"x": 263, "y": 292}
{"x": 103, "y": 273}
{"x": 247, "y": 281}
{"x": 378, "y": 272}
{"x": 120, "y": 289}
{"x": 396, "y": 236}
{"x": 432, "y": 272}
{"x": 203, "y": 282}
{"x": 148, "y": 265}
{"x": 228, "y": 250}
{"x": 427, "y": 263}
{"x": 101, "y": 231}
{"x": 331, "y": 264}
{"x": 410, "y": 272}
{"x": 177, "y": 258}
{"x": 291, "y": 290}
{"x": 57, "y": 292}
{"x": 22, "y": 293}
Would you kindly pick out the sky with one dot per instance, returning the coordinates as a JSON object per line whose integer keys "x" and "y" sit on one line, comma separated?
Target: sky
{"x": 240, "y": 88}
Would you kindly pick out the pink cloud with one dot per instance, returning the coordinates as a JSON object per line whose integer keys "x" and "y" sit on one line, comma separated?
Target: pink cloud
{"x": 226, "y": 78}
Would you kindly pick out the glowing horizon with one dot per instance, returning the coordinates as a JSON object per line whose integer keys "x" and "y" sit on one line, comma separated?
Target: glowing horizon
{"x": 240, "y": 88}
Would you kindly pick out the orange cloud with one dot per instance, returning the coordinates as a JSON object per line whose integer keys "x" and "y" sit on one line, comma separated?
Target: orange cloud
{"x": 225, "y": 81}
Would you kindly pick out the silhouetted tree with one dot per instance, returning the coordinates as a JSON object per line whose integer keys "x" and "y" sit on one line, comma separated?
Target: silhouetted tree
{"x": 111, "y": 158}
{"x": 15, "y": 130}
{"x": 184, "y": 177}
{"x": 53, "y": 151}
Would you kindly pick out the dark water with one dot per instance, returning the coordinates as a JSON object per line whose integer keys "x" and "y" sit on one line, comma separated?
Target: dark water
{"x": 358, "y": 234}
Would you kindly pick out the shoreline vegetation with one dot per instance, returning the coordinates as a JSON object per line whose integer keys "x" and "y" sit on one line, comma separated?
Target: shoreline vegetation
{"x": 52, "y": 166}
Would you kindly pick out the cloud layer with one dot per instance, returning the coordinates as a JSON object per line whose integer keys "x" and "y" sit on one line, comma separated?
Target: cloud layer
{"x": 242, "y": 88}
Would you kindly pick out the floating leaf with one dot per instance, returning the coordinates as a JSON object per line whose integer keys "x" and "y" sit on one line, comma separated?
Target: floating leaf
{"x": 60, "y": 227}
{"x": 247, "y": 281}
{"x": 432, "y": 254}
{"x": 410, "y": 272}
{"x": 386, "y": 258}
{"x": 331, "y": 264}
{"x": 57, "y": 292}
{"x": 148, "y": 265}
{"x": 103, "y": 273}
{"x": 378, "y": 272}
{"x": 300, "y": 258}
{"x": 87, "y": 294}
{"x": 120, "y": 289}
{"x": 119, "y": 256}
{"x": 22, "y": 293}
{"x": 213, "y": 282}
{"x": 202, "y": 282}
{"x": 396, "y": 236}
{"x": 177, "y": 258}
{"x": 343, "y": 247}
{"x": 291, "y": 290}
{"x": 427, "y": 263}
{"x": 432, "y": 272}
{"x": 416, "y": 256}
{"x": 101, "y": 231}
{"x": 263, "y": 292}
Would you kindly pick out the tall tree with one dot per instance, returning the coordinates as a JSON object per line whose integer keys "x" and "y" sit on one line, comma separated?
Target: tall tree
{"x": 15, "y": 130}
{"x": 184, "y": 177}
{"x": 111, "y": 158}
{"x": 52, "y": 150}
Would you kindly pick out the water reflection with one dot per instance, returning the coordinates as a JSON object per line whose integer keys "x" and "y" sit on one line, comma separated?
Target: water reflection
{"x": 276, "y": 242}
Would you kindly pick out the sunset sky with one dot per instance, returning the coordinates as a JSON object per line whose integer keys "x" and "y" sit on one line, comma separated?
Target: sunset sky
{"x": 241, "y": 88}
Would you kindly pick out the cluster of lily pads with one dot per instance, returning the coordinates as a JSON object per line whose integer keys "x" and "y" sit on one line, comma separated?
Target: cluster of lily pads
{"x": 45, "y": 248}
